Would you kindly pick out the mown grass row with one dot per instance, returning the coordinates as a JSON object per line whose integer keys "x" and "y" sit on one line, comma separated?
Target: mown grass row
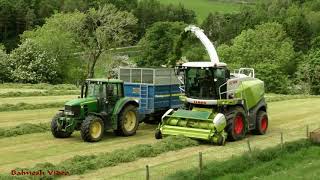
{"x": 26, "y": 106}
{"x": 258, "y": 163}
{"x": 25, "y": 128}
{"x": 39, "y": 86}
{"x": 280, "y": 97}
{"x": 81, "y": 164}
{"x": 39, "y": 93}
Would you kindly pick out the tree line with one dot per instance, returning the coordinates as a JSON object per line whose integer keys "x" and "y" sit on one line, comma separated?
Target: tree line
{"x": 279, "y": 38}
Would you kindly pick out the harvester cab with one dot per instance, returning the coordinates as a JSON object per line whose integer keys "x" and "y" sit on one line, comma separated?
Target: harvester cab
{"x": 218, "y": 105}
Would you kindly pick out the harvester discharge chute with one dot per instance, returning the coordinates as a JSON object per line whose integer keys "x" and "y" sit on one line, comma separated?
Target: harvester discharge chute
{"x": 218, "y": 105}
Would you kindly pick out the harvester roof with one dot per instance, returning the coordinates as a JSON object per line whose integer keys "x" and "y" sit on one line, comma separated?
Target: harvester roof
{"x": 204, "y": 64}
{"x": 106, "y": 80}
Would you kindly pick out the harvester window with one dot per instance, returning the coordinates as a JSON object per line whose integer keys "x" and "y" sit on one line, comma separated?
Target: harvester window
{"x": 204, "y": 83}
{"x": 199, "y": 83}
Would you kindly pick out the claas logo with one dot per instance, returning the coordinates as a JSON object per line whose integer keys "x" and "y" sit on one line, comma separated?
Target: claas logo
{"x": 199, "y": 102}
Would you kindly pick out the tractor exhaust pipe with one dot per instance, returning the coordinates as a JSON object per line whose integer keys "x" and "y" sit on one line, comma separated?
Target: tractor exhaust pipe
{"x": 205, "y": 41}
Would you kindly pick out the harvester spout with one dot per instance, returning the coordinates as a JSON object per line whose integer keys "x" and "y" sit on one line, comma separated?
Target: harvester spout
{"x": 205, "y": 41}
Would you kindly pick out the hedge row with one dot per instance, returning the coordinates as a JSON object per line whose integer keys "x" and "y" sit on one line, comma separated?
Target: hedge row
{"x": 81, "y": 164}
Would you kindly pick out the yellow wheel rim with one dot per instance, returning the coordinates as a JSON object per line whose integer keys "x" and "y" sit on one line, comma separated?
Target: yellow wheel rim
{"x": 130, "y": 121}
{"x": 95, "y": 129}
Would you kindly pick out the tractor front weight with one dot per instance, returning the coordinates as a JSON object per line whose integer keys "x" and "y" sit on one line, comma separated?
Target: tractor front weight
{"x": 66, "y": 124}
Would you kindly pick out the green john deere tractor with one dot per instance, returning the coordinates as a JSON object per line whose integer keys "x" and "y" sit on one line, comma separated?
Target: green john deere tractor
{"x": 218, "y": 105}
{"x": 102, "y": 106}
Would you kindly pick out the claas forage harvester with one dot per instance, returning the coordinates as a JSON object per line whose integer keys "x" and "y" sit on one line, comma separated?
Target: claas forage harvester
{"x": 218, "y": 105}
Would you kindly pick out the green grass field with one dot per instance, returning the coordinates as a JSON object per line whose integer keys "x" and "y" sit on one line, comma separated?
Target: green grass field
{"x": 204, "y": 7}
{"x": 25, "y": 151}
{"x": 296, "y": 160}
{"x": 289, "y": 117}
{"x": 28, "y": 150}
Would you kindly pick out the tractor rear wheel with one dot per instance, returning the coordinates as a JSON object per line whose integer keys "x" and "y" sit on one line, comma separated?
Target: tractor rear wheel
{"x": 261, "y": 123}
{"x": 236, "y": 123}
{"x": 128, "y": 121}
{"x": 92, "y": 129}
{"x": 54, "y": 127}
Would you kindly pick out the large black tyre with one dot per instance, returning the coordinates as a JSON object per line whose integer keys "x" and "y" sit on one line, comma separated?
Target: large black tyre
{"x": 128, "y": 121}
{"x": 236, "y": 123}
{"x": 54, "y": 127}
{"x": 158, "y": 134}
{"x": 261, "y": 123}
{"x": 92, "y": 129}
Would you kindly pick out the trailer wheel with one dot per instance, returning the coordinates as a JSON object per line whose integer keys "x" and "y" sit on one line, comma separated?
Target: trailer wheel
{"x": 236, "y": 123}
{"x": 55, "y": 130}
{"x": 128, "y": 121}
{"x": 158, "y": 134}
{"x": 92, "y": 129}
{"x": 261, "y": 123}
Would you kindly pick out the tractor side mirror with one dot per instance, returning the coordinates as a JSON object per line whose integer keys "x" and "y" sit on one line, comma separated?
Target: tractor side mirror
{"x": 82, "y": 88}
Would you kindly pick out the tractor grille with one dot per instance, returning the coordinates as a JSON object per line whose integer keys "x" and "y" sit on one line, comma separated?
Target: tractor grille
{"x": 74, "y": 109}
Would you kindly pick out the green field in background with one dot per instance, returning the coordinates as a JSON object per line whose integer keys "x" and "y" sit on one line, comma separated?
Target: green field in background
{"x": 204, "y": 7}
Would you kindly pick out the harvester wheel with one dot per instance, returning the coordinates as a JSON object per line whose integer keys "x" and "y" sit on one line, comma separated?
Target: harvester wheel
{"x": 236, "y": 123}
{"x": 128, "y": 122}
{"x": 261, "y": 123}
{"x": 54, "y": 127}
{"x": 92, "y": 129}
{"x": 158, "y": 134}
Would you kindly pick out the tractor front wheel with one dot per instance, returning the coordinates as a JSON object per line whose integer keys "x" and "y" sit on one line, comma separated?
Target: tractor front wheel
{"x": 261, "y": 123}
{"x": 55, "y": 129}
{"x": 236, "y": 124}
{"x": 128, "y": 122}
{"x": 92, "y": 129}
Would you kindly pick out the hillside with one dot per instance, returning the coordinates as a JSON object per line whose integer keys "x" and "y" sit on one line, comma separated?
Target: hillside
{"x": 204, "y": 7}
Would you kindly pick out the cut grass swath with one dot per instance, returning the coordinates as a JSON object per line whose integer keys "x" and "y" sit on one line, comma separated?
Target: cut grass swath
{"x": 39, "y": 93}
{"x": 25, "y": 128}
{"x": 39, "y": 86}
{"x": 281, "y": 97}
{"x": 26, "y": 106}
{"x": 262, "y": 161}
{"x": 82, "y": 164}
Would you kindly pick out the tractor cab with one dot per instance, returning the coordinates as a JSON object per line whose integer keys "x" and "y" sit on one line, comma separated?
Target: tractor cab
{"x": 205, "y": 80}
{"x": 106, "y": 91}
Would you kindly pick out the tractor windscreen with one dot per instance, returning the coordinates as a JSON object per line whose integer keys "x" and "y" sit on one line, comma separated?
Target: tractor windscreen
{"x": 96, "y": 90}
{"x": 203, "y": 83}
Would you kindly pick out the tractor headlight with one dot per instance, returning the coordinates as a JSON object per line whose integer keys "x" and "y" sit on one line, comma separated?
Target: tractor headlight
{"x": 72, "y": 110}
{"x": 69, "y": 113}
